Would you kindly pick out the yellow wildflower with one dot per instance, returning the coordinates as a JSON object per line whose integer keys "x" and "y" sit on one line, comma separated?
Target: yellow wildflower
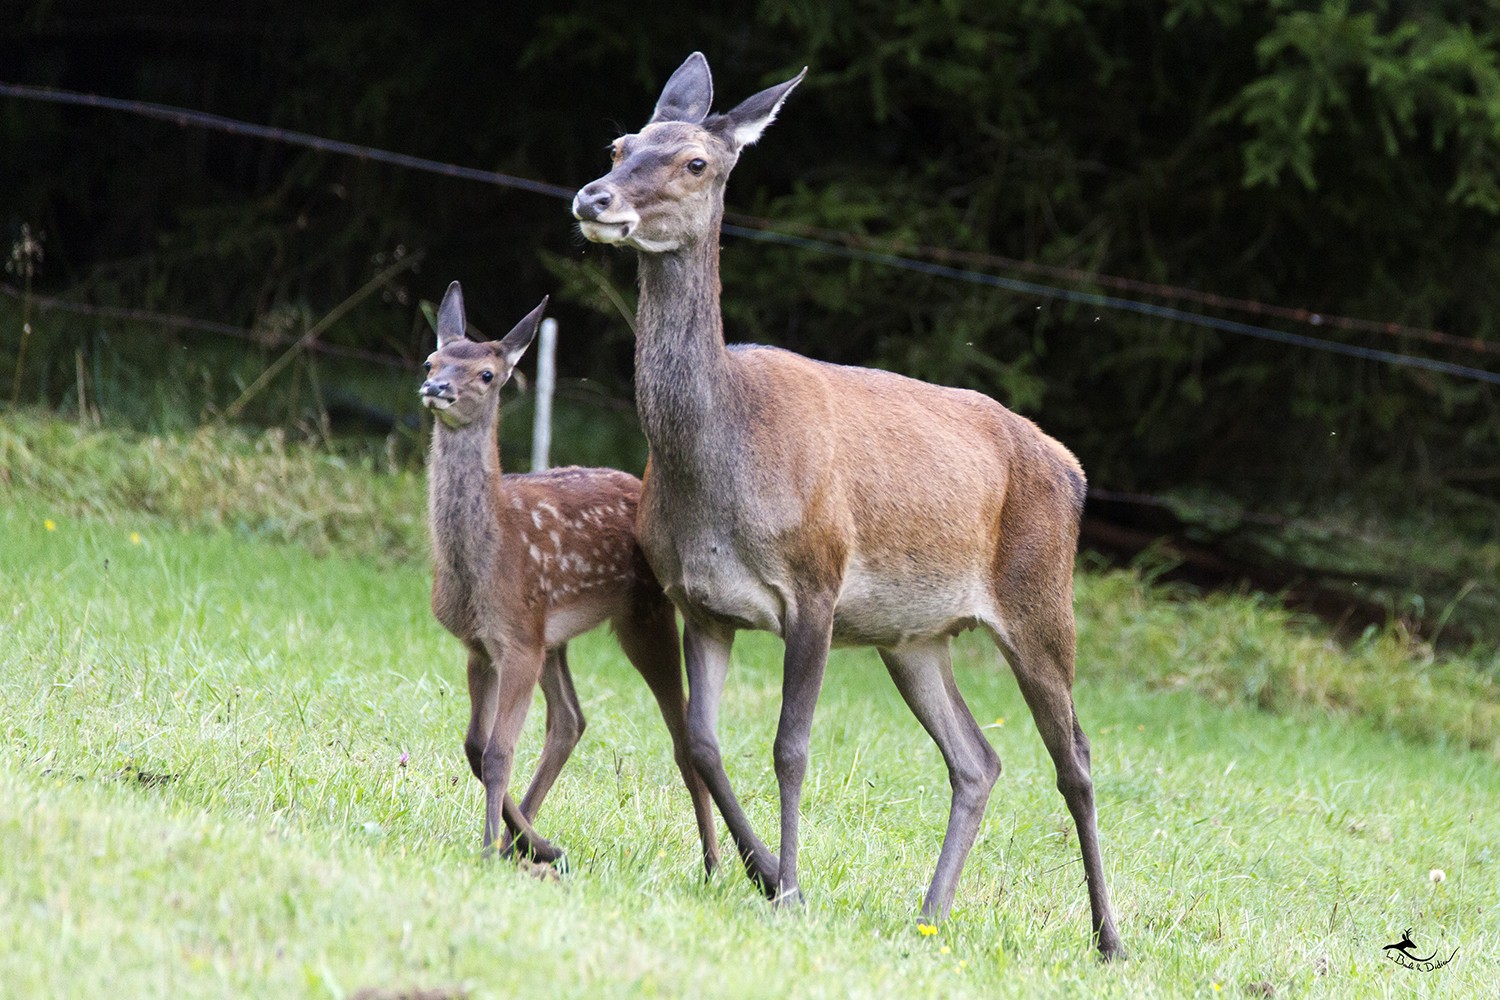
{"x": 926, "y": 930}
{"x": 50, "y": 524}
{"x": 135, "y": 538}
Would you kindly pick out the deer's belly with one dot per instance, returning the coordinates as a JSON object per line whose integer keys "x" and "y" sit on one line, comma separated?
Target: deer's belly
{"x": 890, "y": 610}
{"x": 567, "y": 620}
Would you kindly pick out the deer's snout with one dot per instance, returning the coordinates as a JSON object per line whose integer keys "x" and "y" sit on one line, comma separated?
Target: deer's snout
{"x": 437, "y": 393}
{"x": 592, "y": 202}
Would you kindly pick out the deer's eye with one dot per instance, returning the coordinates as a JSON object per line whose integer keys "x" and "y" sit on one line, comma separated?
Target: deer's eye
{"x": 697, "y": 166}
{"x": 427, "y": 366}
{"x": 487, "y": 375}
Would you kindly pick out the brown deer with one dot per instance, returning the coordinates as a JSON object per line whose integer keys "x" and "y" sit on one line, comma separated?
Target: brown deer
{"x": 522, "y": 564}
{"x": 830, "y": 504}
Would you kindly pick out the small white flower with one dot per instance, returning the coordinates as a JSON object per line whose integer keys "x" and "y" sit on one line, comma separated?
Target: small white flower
{"x": 1437, "y": 875}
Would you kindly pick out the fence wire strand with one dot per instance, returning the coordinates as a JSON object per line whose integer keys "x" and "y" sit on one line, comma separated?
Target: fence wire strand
{"x": 852, "y": 247}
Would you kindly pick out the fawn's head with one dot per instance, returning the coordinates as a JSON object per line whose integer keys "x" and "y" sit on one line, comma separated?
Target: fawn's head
{"x": 666, "y": 189}
{"x": 464, "y": 376}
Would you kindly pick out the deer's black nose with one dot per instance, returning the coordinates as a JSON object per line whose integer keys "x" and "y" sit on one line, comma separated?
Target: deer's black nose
{"x": 431, "y": 388}
{"x": 592, "y": 202}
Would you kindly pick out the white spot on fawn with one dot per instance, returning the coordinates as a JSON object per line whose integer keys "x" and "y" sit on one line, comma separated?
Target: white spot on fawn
{"x": 536, "y": 518}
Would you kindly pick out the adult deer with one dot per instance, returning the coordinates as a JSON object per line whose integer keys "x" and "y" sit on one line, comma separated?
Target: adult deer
{"x": 522, "y": 564}
{"x": 830, "y": 504}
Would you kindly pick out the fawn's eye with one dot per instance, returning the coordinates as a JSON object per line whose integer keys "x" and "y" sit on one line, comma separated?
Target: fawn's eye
{"x": 697, "y": 166}
{"x": 487, "y": 375}
{"x": 427, "y": 366}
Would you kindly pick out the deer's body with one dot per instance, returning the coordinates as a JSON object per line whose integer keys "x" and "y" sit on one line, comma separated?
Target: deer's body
{"x": 522, "y": 564}
{"x": 831, "y": 504}
{"x": 907, "y": 557}
{"x": 559, "y": 545}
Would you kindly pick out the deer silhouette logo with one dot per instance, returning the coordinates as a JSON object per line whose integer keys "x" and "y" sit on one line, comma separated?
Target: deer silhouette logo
{"x": 1404, "y": 954}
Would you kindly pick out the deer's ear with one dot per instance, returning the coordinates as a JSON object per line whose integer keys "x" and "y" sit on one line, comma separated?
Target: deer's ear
{"x": 514, "y": 344}
{"x": 451, "y": 322}
{"x": 688, "y": 94}
{"x": 743, "y": 125}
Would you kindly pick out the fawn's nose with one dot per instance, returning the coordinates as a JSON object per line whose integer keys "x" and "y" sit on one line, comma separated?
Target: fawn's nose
{"x": 432, "y": 387}
{"x": 592, "y": 202}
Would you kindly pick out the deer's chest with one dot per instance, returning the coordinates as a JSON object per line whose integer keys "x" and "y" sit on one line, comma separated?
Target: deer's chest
{"x": 709, "y": 575}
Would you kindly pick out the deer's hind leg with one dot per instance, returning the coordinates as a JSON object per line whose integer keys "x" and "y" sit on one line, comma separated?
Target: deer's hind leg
{"x": 924, "y": 675}
{"x": 1040, "y": 647}
{"x": 565, "y": 725}
{"x": 648, "y": 635}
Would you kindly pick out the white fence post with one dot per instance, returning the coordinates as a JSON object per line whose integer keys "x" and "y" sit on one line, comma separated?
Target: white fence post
{"x": 546, "y": 379}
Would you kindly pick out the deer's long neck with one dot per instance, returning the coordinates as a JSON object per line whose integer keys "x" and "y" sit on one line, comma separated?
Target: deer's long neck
{"x": 465, "y": 498}
{"x": 685, "y": 389}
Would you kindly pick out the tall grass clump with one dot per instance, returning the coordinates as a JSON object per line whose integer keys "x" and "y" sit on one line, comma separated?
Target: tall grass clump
{"x": 217, "y": 478}
{"x": 1239, "y": 648}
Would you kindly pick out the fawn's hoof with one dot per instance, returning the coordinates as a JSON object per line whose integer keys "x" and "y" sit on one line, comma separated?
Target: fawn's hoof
{"x": 537, "y": 852}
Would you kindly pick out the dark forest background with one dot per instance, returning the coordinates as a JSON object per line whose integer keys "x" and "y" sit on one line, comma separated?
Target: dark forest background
{"x": 1342, "y": 159}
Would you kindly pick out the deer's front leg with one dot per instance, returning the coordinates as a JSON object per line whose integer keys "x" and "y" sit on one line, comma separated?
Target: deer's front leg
{"x": 564, "y": 727}
{"x": 707, "y": 656}
{"x": 484, "y": 688}
{"x": 808, "y": 636}
{"x": 514, "y": 676}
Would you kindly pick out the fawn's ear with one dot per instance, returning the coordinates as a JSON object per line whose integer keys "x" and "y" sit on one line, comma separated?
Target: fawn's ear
{"x": 688, "y": 95}
{"x": 451, "y": 322}
{"x": 514, "y": 344}
{"x": 743, "y": 125}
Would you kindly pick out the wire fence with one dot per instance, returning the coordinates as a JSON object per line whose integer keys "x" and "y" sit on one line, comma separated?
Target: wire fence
{"x": 941, "y": 261}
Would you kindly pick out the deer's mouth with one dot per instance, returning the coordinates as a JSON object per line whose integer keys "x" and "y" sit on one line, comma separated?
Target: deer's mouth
{"x": 433, "y": 401}
{"x": 606, "y": 232}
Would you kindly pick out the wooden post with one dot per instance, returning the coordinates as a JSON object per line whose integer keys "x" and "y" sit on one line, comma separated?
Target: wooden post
{"x": 546, "y": 379}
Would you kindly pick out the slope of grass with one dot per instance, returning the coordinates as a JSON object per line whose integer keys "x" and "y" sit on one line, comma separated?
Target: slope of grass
{"x": 202, "y": 736}
{"x": 1233, "y": 648}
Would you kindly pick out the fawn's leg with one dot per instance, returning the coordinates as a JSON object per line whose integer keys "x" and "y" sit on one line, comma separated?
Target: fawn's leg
{"x": 565, "y": 725}
{"x": 515, "y": 673}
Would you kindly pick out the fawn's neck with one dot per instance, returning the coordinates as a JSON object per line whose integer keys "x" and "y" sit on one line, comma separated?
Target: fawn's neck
{"x": 465, "y": 497}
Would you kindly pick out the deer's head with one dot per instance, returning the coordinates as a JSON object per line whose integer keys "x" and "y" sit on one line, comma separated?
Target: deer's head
{"x": 464, "y": 376}
{"x": 666, "y": 189}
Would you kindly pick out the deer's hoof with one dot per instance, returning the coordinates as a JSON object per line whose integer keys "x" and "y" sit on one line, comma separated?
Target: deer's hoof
{"x": 790, "y": 900}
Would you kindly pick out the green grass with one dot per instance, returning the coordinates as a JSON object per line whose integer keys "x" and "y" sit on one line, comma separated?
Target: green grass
{"x": 203, "y": 796}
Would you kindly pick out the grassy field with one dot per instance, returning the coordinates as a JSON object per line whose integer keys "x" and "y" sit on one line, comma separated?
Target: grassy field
{"x": 230, "y": 766}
